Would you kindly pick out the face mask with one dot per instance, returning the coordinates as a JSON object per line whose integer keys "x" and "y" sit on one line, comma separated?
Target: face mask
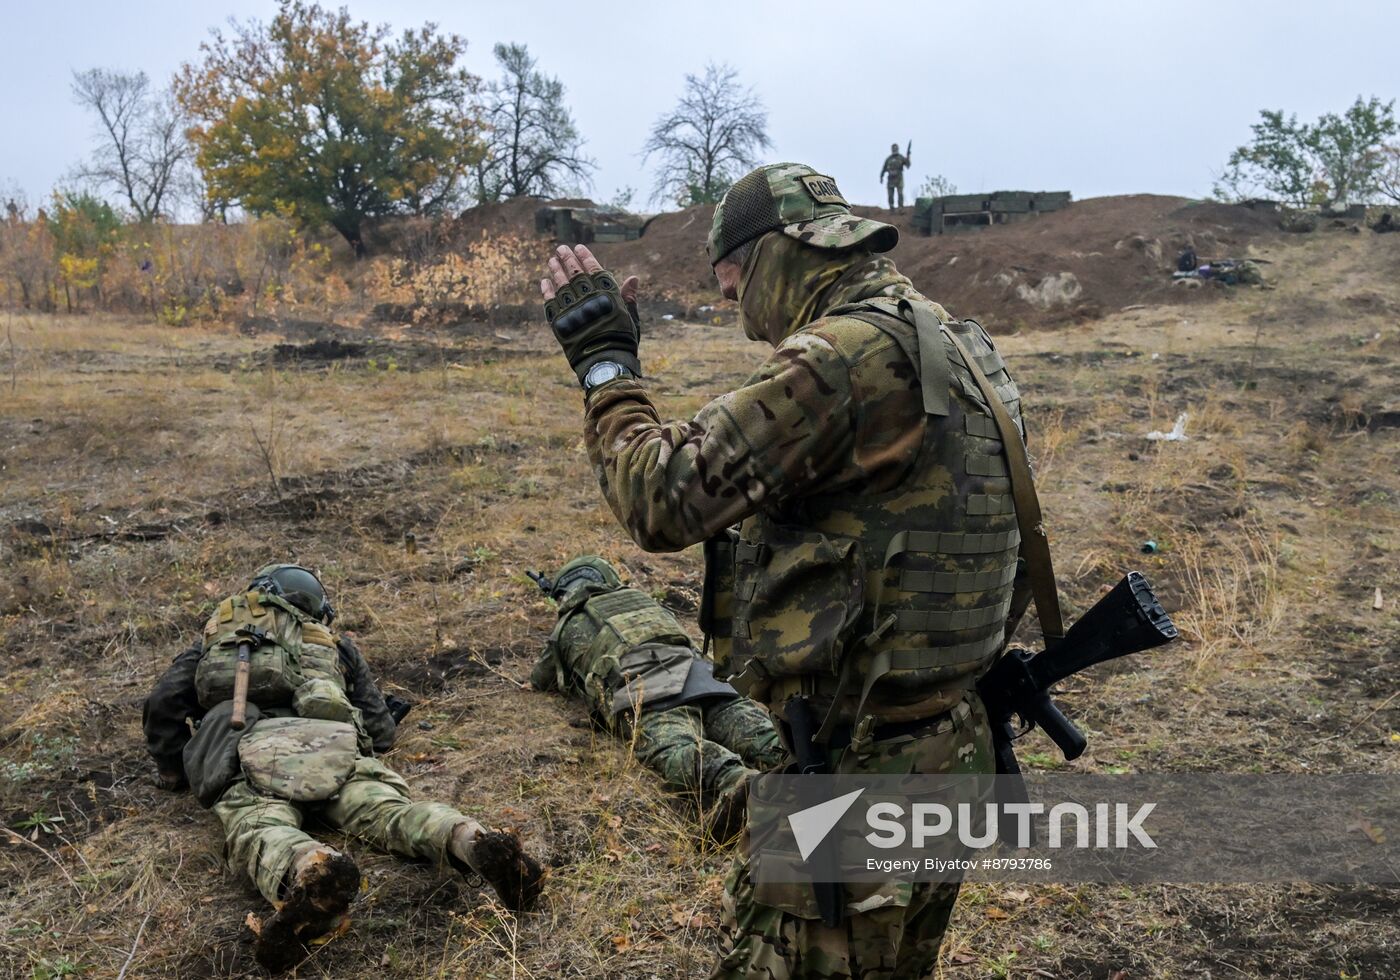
{"x": 783, "y": 284}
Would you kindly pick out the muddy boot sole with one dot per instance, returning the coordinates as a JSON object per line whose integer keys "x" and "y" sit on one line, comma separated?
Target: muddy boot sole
{"x": 315, "y": 905}
{"x": 516, "y": 878}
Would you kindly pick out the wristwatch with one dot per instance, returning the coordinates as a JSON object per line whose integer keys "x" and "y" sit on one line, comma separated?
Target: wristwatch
{"x": 603, "y": 372}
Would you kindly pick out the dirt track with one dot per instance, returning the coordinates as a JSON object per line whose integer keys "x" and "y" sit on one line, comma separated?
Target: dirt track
{"x": 136, "y": 494}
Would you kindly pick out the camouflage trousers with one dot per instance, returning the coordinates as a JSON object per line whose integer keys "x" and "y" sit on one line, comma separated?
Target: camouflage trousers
{"x": 263, "y": 834}
{"x": 895, "y": 186}
{"x": 712, "y": 748}
{"x": 892, "y": 930}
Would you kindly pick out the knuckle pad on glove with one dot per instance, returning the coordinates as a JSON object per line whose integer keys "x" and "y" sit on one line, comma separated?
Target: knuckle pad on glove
{"x": 586, "y": 313}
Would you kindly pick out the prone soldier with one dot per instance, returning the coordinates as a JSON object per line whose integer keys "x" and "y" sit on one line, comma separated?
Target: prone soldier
{"x": 312, "y": 719}
{"x": 637, "y": 669}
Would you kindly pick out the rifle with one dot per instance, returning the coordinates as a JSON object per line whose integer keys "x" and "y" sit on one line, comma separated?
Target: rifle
{"x": 542, "y": 580}
{"x": 248, "y": 638}
{"x": 812, "y": 760}
{"x": 908, "y": 150}
{"x": 1127, "y": 620}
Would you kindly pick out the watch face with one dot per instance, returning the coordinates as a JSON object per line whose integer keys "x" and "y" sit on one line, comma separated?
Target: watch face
{"x": 602, "y": 372}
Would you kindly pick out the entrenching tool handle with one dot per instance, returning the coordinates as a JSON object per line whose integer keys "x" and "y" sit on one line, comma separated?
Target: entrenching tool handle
{"x": 238, "y": 718}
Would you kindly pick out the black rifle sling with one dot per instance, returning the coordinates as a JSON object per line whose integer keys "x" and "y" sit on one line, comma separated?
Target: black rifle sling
{"x": 1035, "y": 543}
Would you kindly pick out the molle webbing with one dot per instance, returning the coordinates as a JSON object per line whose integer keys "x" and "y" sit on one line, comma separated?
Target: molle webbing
{"x": 980, "y": 465}
{"x": 952, "y": 543}
{"x": 985, "y": 426}
{"x": 1035, "y": 543}
{"x": 957, "y": 656}
{"x": 949, "y": 620}
{"x": 990, "y": 504}
{"x": 913, "y": 580}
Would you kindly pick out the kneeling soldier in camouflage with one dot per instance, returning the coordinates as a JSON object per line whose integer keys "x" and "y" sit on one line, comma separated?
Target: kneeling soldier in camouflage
{"x": 287, "y": 720}
{"x": 637, "y": 669}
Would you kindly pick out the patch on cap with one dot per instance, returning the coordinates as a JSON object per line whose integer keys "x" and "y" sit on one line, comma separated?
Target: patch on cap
{"x": 823, "y": 190}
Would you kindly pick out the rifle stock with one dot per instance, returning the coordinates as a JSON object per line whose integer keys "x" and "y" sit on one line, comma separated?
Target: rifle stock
{"x": 1127, "y": 620}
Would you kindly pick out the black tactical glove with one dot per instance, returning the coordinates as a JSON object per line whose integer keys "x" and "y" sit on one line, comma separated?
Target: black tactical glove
{"x": 398, "y": 707}
{"x": 592, "y": 323}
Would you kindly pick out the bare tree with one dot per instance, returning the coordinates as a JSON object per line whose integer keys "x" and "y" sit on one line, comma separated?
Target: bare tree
{"x": 709, "y": 139}
{"x": 1388, "y": 172}
{"x": 142, "y": 137}
{"x": 532, "y": 145}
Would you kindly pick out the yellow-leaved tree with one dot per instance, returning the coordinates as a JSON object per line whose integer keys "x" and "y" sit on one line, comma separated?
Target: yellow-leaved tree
{"x": 332, "y": 120}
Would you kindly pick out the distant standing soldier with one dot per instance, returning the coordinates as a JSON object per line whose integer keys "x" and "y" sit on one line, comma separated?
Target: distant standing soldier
{"x": 892, "y": 173}
{"x": 299, "y": 740}
{"x": 639, "y": 672}
{"x": 871, "y": 579}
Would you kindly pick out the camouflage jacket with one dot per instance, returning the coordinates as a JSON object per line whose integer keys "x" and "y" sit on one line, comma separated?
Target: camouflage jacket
{"x": 173, "y": 703}
{"x": 808, "y": 422}
{"x": 894, "y": 167}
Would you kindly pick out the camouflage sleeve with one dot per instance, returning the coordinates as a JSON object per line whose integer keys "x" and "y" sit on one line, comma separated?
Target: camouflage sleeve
{"x": 365, "y": 695}
{"x": 545, "y": 675}
{"x": 673, "y": 484}
{"x": 170, "y": 703}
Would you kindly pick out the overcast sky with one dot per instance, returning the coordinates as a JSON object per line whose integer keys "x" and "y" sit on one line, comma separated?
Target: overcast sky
{"x": 1092, "y": 97}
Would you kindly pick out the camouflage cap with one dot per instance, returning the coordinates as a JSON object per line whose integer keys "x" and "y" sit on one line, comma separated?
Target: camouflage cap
{"x": 795, "y": 199}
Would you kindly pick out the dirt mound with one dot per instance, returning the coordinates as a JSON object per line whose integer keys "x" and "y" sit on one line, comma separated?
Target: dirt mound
{"x": 1092, "y": 258}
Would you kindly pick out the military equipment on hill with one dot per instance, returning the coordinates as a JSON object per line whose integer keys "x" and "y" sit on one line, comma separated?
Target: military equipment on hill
{"x": 586, "y": 225}
{"x": 936, "y": 215}
{"x": 1127, "y": 620}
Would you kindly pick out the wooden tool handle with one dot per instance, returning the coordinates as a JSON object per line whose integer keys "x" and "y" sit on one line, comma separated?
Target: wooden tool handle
{"x": 239, "y": 717}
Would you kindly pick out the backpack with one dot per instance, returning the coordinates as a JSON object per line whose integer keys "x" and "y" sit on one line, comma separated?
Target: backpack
{"x": 293, "y": 663}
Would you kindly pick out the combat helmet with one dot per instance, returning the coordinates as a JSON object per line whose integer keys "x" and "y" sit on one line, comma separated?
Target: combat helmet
{"x": 796, "y": 200}
{"x": 583, "y": 570}
{"x": 298, "y": 585}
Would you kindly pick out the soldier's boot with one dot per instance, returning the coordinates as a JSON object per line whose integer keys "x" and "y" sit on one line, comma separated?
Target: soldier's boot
{"x": 324, "y": 883}
{"x": 729, "y": 813}
{"x": 497, "y": 857}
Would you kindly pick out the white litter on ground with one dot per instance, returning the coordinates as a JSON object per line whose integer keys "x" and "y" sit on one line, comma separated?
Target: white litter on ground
{"x": 1177, "y": 434}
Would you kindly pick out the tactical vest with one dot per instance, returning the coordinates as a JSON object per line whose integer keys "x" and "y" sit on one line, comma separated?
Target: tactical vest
{"x": 906, "y": 591}
{"x": 621, "y": 646}
{"x": 296, "y": 665}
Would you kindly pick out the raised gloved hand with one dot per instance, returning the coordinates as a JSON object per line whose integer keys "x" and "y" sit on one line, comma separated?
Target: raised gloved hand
{"x": 593, "y": 318}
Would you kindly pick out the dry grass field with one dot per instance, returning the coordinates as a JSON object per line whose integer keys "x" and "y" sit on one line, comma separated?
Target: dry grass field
{"x": 145, "y": 471}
